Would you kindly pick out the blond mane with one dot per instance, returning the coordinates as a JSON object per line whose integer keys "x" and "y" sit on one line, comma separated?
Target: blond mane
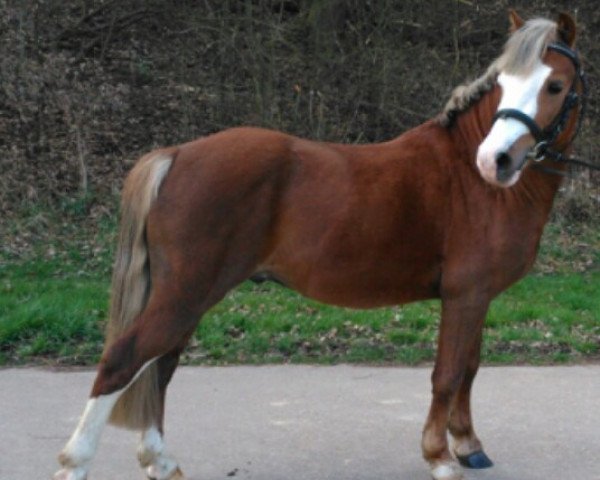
{"x": 522, "y": 51}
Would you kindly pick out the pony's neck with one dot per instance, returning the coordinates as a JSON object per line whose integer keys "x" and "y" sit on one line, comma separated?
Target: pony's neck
{"x": 472, "y": 126}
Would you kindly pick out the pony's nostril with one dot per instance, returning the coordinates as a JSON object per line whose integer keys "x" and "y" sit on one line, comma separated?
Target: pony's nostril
{"x": 503, "y": 161}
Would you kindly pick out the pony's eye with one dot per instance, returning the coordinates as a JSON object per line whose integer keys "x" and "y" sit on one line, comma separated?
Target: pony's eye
{"x": 554, "y": 88}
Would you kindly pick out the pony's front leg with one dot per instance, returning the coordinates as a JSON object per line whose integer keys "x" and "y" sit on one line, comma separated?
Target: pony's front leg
{"x": 467, "y": 446}
{"x": 461, "y": 324}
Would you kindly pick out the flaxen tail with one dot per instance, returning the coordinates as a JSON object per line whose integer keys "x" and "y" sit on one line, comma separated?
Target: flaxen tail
{"x": 138, "y": 407}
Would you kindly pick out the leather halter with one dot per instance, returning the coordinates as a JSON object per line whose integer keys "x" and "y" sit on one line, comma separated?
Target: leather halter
{"x": 546, "y": 137}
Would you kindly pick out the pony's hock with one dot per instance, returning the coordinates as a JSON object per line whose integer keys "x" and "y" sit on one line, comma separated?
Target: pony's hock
{"x": 425, "y": 215}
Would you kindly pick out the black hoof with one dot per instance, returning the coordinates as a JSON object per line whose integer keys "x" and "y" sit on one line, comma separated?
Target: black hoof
{"x": 476, "y": 460}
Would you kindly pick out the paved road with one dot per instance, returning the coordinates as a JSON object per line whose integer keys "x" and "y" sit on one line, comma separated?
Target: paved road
{"x": 314, "y": 423}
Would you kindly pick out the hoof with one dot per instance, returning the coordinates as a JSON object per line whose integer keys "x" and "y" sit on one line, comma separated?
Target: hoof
{"x": 146, "y": 457}
{"x": 447, "y": 471}
{"x": 69, "y": 474}
{"x": 176, "y": 475}
{"x": 475, "y": 460}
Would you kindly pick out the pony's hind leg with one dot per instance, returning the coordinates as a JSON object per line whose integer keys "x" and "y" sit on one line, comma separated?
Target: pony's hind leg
{"x": 81, "y": 447}
{"x": 152, "y": 457}
{"x": 160, "y": 329}
{"x": 151, "y": 451}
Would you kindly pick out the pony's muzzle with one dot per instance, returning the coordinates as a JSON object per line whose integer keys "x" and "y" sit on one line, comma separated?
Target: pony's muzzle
{"x": 500, "y": 166}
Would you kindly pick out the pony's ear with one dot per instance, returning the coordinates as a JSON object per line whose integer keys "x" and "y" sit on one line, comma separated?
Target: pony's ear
{"x": 515, "y": 20}
{"x": 567, "y": 30}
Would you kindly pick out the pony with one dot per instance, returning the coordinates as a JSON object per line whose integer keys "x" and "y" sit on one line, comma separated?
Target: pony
{"x": 449, "y": 210}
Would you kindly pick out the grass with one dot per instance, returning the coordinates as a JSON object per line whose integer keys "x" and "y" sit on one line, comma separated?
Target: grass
{"x": 551, "y": 318}
{"x": 542, "y": 319}
{"x": 43, "y": 317}
{"x": 54, "y": 301}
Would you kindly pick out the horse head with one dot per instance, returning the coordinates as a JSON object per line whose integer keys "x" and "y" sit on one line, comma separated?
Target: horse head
{"x": 541, "y": 82}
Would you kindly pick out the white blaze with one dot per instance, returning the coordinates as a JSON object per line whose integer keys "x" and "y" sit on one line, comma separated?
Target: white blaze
{"x": 520, "y": 93}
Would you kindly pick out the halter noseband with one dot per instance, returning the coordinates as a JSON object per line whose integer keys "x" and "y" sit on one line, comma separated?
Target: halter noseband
{"x": 546, "y": 137}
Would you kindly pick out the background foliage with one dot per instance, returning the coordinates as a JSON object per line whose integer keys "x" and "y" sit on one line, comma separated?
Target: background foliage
{"x": 86, "y": 86}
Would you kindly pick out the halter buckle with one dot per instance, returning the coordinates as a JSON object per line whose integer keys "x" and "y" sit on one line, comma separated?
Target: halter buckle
{"x": 539, "y": 151}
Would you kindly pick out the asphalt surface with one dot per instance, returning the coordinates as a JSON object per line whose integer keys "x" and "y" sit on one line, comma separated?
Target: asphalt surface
{"x": 314, "y": 423}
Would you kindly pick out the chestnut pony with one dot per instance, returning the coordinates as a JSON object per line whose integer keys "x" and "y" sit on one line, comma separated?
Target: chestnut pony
{"x": 422, "y": 216}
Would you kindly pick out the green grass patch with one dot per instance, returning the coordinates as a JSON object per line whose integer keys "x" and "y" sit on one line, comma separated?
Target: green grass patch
{"x": 54, "y": 289}
{"x": 58, "y": 318}
{"x": 51, "y": 318}
{"x": 552, "y": 318}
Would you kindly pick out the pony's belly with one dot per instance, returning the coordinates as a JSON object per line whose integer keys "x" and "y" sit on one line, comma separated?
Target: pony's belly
{"x": 362, "y": 289}
{"x": 363, "y": 294}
